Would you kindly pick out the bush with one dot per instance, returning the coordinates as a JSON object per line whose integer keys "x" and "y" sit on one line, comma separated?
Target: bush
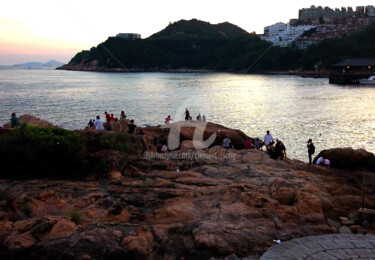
{"x": 76, "y": 216}
{"x": 31, "y": 151}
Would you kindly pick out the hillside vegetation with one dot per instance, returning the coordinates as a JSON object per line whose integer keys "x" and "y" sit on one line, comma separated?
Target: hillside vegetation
{"x": 223, "y": 47}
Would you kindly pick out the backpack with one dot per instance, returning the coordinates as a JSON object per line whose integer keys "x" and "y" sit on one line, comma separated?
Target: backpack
{"x": 312, "y": 149}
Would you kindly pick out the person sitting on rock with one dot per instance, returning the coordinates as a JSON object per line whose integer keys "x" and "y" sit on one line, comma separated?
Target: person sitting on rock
{"x": 98, "y": 124}
{"x": 108, "y": 125}
{"x": 279, "y": 151}
{"x": 168, "y": 120}
{"x": 112, "y": 117}
{"x": 248, "y": 143}
{"x": 14, "y": 121}
{"x": 323, "y": 161}
{"x": 257, "y": 143}
{"x": 90, "y": 124}
{"x": 132, "y": 127}
{"x": 199, "y": 117}
{"x": 226, "y": 142}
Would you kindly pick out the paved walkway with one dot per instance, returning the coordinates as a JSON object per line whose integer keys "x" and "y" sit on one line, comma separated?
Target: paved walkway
{"x": 327, "y": 247}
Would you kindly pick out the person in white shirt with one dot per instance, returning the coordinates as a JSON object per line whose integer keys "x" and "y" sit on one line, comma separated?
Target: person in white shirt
{"x": 1, "y": 125}
{"x": 98, "y": 124}
{"x": 268, "y": 139}
{"x": 324, "y": 162}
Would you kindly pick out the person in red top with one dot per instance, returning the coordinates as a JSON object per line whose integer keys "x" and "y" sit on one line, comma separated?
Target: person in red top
{"x": 107, "y": 116}
{"x": 112, "y": 117}
{"x": 248, "y": 143}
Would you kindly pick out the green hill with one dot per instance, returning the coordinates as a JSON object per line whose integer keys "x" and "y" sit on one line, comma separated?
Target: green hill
{"x": 198, "y": 45}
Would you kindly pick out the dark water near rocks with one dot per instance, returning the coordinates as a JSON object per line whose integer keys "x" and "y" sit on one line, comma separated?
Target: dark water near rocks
{"x": 294, "y": 109}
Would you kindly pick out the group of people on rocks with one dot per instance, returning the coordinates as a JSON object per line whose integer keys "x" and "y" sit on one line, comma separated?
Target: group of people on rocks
{"x": 113, "y": 123}
{"x": 189, "y": 118}
{"x": 275, "y": 148}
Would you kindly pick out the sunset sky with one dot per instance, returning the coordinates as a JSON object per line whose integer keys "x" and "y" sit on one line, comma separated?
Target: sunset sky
{"x": 41, "y": 30}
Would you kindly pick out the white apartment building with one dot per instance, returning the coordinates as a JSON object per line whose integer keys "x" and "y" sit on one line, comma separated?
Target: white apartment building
{"x": 283, "y": 35}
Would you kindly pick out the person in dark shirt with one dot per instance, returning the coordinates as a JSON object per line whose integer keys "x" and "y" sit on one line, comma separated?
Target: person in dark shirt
{"x": 132, "y": 127}
{"x": 280, "y": 150}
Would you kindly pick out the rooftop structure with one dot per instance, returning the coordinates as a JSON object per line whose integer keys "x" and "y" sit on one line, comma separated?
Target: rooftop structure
{"x": 129, "y": 36}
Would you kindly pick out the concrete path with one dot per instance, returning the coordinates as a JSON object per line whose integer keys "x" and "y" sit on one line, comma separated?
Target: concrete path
{"x": 327, "y": 247}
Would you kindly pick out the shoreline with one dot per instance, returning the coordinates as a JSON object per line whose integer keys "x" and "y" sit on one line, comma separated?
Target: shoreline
{"x": 303, "y": 74}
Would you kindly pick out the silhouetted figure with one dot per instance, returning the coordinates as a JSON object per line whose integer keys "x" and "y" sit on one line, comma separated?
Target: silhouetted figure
{"x": 187, "y": 115}
{"x": 132, "y": 127}
{"x": 310, "y": 150}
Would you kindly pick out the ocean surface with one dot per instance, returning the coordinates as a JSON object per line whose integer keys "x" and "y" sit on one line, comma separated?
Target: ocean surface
{"x": 294, "y": 109}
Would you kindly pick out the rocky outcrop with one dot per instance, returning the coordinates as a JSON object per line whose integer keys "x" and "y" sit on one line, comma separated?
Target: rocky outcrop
{"x": 187, "y": 203}
{"x": 230, "y": 202}
{"x": 348, "y": 158}
{"x": 31, "y": 120}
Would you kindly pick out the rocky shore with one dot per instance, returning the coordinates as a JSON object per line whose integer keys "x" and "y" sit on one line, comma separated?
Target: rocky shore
{"x": 186, "y": 204}
{"x": 93, "y": 67}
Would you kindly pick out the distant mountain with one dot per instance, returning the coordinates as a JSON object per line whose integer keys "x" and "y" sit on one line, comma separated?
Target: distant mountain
{"x": 30, "y": 64}
{"x": 196, "y": 28}
{"x": 51, "y": 63}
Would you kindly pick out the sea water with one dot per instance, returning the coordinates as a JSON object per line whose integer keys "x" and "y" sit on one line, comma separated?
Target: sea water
{"x": 294, "y": 109}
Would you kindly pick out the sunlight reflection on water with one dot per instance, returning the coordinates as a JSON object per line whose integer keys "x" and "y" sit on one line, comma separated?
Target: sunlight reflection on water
{"x": 294, "y": 109}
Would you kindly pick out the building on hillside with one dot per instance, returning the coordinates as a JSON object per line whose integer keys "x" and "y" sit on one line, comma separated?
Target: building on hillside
{"x": 370, "y": 10}
{"x": 350, "y": 71}
{"x": 129, "y": 36}
{"x": 283, "y": 35}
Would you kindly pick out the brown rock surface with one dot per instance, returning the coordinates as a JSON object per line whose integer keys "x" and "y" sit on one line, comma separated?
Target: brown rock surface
{"x": 224, "y": 205}
{"x": 30, "y": 120}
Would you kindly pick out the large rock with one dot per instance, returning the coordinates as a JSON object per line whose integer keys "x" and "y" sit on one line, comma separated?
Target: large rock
{"x": 31, "y": 120}
{"x": 348, "y": 158}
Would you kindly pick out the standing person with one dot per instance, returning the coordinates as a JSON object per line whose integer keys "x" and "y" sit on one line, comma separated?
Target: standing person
{"x": 122, "y": 116}
{"x": 14, "y": 121}
{"x": 310, "y": 150}
{"x": 98, "y": 124}
{"x": 268, "y": 139}
{"x": 226, "y": 142}
{"x": 204, "y": 118}
{"x": 187, "y": 115}
{"x": 199, "y": 117}
{"x": 107, "y": 115}
{"x": 132, "y": 127}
